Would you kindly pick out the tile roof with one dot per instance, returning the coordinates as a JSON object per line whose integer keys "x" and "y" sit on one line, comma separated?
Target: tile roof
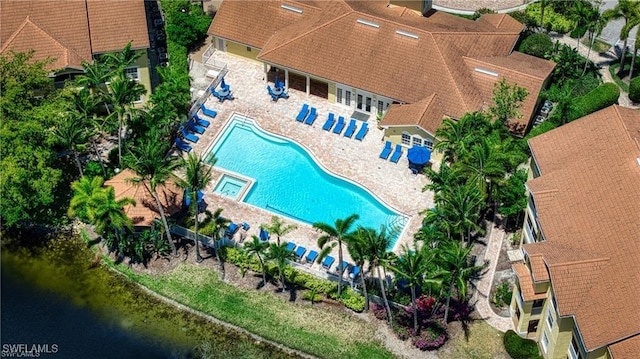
{"x": 426, "y": 113}
{"x": 329, "y": 40}
{"x": 60, "y": 29}
{"x": 526, "y": 283}
{"x": 588, "y": 204}
{"x": 539, "y": 270}
{"x": 626, "y": 349}
{"x": 145, "y": 210}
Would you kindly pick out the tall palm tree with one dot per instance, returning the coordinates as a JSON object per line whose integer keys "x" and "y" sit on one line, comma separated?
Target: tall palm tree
{"x": 85, "y": 195}
{"x": 258, "y": 248}
{"x": 580, "y": 13}
{"x": 278, "y": 228}
{"x": 71, "y": 133}
{"x": 332, "y": 235}
{"x": 413, "y": 265}
{"x": 629, "y": 11}
{"x": 197, "y": 177}
{"x": 280, "y": 255}
{"x": 84, "y": 104}
{"x": 377, "y": 245}
{"x": 441, "y": 179}
{"x": 109, "y": 213}
{"x": 154, "y": 168}
{"x": 215, "y": 225}
{"x": 123, "y": 92}
{"x": 455, "y": 260}
{"x": 357, "y": 248}
{"x": 484, "y": 164}
{"x": 96, "y": 75}
{"x": 460, "y": 206}
{"x": 595, "y": 24}
{"x": 122, "y": 59}
{"x": 452, "y": 135}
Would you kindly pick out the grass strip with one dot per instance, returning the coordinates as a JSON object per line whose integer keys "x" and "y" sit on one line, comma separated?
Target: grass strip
{"x": 309, "y": 328}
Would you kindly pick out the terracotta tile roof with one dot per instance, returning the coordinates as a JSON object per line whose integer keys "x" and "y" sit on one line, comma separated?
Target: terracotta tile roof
{"x": 375, "y": 59}
{"x": 526, "y": 283}
{"x": 145, "y": 210}
{"x": 626, "y": 349}
{"x": 539, "y": 270}
{"x": 60, "y": 28}
{"x": 503, "y": 22}
{"x": 588, "y": 204}
{"x": 425, "y": 113}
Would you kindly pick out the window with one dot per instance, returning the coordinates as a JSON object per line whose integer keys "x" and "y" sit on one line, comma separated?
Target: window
{"x": 221, "y": 44}
{"x": 533, "y": 326}
{"x": 545, "y": 341}
{"x": 574, "y": 349}
{"x": 248, "y": 49}
{"x": 537, "y": 306}
{"x": 368, "y": 104}
{"x": 339, "y": 95}
{"x": 550, "y": 317}
{"x": 132, "y": 73}
{"x": 406, "y": 139}
{"x": 359, "y": 102}
{"x": 380, "y": 106}
{"x": 428, "y": 143}
{"x": 347, "y": 98}
{"x": 417, "y": 141}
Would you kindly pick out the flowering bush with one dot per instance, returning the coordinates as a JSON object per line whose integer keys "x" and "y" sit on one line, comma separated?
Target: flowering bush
{"x": 379, "y": 311}
{"x": 425, "y": 304}
{"x": 432, "y": 337}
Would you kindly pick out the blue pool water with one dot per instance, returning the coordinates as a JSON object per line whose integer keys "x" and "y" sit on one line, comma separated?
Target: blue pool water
{"x": 288, "y": 182}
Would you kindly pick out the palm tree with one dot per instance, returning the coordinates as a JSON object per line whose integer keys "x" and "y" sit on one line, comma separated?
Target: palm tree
{"x": 215, "y": 225}
{"x": 580, "y": 13}
{"x": 123, "y": 92}
{"x": 357, "y": 248}
{"x": 96, "y": 75}
{"x": 109, "y": 213}
{"x": 335, "y": 234}
{"x": 455, "y": 260}
{"x": 413, "y": 264}
{"x": 122, "y": 59}
{"x": 459, "y": 206}
{"x": 441, "y": 179}
{"x": 595, "y": 24}
{"x": 629, "y": 11}
{"x": 85, "y": 194}
{"x": 154, "y": 168}
{"x": 280, "y": 255}
{"x": 377, "y": 244}
{"x": 257, "y": 248}
{"x": 484, "y": 164}
{"x": 84, "y": 104}
{"x": 278, "y": 228}
{"x": 197, "y": 177}
{"x": 452, "y": 135}
{"x": 71, "y": 132}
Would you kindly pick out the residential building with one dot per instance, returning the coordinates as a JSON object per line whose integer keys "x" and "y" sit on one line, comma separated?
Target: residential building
{"x": 368, "y": 55}
{"x": 578, "y": 289}
{"x": 75, "y": 31}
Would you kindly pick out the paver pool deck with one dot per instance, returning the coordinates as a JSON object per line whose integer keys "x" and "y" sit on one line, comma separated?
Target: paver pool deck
{"x": 358, "y": 161}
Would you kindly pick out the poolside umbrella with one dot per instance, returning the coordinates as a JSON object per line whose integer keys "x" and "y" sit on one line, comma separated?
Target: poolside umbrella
{"x": 418, "y": 155}
{"x": 222, "y": 84}
{"x": 276, "y": 82}
{"x": 264, "y": 235}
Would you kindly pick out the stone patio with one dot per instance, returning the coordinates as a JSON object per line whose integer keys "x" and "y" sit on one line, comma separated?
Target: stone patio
{"x": 358, "y": 161}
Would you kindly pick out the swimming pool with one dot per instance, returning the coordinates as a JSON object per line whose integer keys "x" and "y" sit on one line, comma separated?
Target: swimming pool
{"x": 288, "y": 182}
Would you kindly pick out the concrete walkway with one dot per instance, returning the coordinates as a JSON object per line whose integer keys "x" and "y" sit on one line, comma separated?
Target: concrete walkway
{"x": 483, "y": 287}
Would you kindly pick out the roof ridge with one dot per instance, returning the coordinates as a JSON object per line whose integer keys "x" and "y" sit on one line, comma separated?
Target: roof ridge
{"x": 430, "y": 100}
{"x": 446, "y": 65}
{"x": 27, "y": 20}
{"x": 306, "y": 32}
{"x": 500, "y": 66}
{"x": 582, "y": 261}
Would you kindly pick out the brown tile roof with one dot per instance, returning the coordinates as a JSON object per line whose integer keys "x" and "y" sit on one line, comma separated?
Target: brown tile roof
{"x": 426, "y": 113}
{"x": 375, "y": 59}
{"x": 503, "y": 22}
{"x": 145, "y": 210}
{"x": 526, "y": 283}
{"x": 588, "y": 204}
{"x": 626, "y": 349}
{"x": 60, "y": 28}
{"x": 539, "y": 270}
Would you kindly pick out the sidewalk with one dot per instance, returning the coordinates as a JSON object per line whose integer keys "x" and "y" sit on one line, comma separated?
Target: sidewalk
{"x": 483, "y": 288}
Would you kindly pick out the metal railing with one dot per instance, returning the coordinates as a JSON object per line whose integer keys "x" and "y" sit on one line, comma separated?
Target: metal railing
{"x": 212, "y": 85}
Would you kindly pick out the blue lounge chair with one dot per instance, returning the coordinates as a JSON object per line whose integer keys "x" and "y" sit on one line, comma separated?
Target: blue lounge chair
{"x": 233, "y": 228}
{"x": 290, "y": 246}
{"x": 264, "y": 235}
{"x": 344, "y": 266}
{"x": 328, "y": 262}
{"x": 362, "y": 132}
{"x": 330, "y": 121}
{"x": 304, "y": 111}
{"x": 396, "y": 154}
{"x": 339, "y": 126}
{"x": 354, "y": 272}
{"x": 351, "y": 128}
{"x": 208, "y": 112}
{"x": 312, "y": 117}
{"x": 193, "y": 127}
{"x": 274, "y": 97}
{"x": 386, "y": 151}
{"x": 245, "y": 226}
{"x": 188, "y": 136}
{"x": 311, "y": 256}
{"x": 300, "y": 251}
{"x": 201, "y": 122}
{"x": 182, "y": 146}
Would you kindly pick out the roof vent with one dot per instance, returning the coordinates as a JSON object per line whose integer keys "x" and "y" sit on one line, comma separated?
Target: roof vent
{"x": 407, "y": 34}
{"x": 638, "y": 160}
{"x": 368, "y": 23}
{"x": 486, "y": 72}
{"x": 291, "y": 8}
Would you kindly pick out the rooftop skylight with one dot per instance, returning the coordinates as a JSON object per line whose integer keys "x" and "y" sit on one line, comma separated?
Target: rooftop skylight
{"x": 368, "y": 23}
{"x": 291, "y": 8}
{"x": 407, "y": 34}
{"x": 486, "y": 72}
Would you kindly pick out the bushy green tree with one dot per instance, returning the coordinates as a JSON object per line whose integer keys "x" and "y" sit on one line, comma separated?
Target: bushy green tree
{"x": 537, "y": 44}
{"x": 634, "y": 89}
{"x": 186, "y": 22}
{"x": 511, "y": 197}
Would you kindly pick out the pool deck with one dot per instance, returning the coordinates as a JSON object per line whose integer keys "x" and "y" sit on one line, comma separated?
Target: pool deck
{"x": 358, "y": 161}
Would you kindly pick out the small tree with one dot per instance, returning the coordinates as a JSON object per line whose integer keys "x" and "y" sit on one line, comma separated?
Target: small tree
{"x": 280, "y": 255}
{"x": 258, "y": 248}
{"x": 278, "y": 228}
{"x": 507, "y": 101}
{"x": 537, "y": 44}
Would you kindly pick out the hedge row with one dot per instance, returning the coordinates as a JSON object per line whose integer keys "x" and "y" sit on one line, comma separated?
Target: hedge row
{"x": 602, "y": 96}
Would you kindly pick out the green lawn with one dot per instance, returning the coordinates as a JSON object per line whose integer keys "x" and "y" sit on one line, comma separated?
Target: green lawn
{"x": 484, "y": 342}
{"x": 309, "y": 328}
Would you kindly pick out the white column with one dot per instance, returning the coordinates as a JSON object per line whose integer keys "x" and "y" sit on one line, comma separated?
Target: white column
{"x": 308, "y": 85}
{"x": 266, "y": 72}
{"x": 286, "y": 79}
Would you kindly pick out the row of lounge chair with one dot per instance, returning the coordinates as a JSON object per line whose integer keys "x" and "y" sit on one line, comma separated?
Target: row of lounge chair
{"x": 307, "y": 116}
{"x": 386, "y": 151}
{"x": 351, "y": 129}
{"x": 299, "y": 251}
{"x": 195, "y": 125}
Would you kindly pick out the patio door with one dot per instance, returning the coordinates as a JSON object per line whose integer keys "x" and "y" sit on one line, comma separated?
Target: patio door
{"x": 344, "y": 96}
{"x": 364, "y": 103}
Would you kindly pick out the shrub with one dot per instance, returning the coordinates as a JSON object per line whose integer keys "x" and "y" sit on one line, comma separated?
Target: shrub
{"x": 431, "y": 338}
{"x": 503, "y": 294}
{"x": 379, "y": 311}
{"x": 578, "y": 32}
{"x": 542, "y": 128}
{"x": 603, "y": 96}
{"x": 634, "y": 89}
{"x": 520, "y": 348}
{"x": 537, "y": 44}
{"x": 312, "y": 296}
{"x": 352, "y": 300}
{"x": 552, "y": 20}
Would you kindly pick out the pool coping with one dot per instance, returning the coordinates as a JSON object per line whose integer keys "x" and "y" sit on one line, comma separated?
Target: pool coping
{"x": 245, "y": 189}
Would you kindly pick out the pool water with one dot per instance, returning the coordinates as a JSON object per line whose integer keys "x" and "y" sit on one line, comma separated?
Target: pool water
{"x": 230, "y": 186}
{"x": 288, "y": 182}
